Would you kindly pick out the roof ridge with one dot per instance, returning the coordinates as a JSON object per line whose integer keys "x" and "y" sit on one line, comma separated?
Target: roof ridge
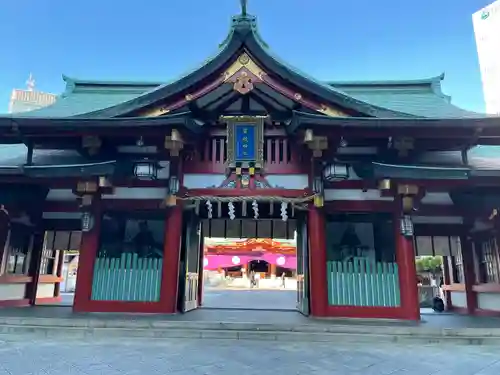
{"x": 419, "y": 81}
{"x": 395, "y": 82}
{"x": 78, "y": 81}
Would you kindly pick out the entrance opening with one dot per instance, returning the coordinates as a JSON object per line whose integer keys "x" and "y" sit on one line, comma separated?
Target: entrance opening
{"x": 246, "y": 256}
{"x": 250, "y": 273}
{"x": 438, "y": 262}
{"x": 58, "y": 268}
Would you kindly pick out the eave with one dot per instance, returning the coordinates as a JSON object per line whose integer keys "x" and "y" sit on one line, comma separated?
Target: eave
{"x": 481, "y": 128}
{"x": 418, "y": 172}
{"x": 26, "y": 126}
{"x": 106, "y": 168}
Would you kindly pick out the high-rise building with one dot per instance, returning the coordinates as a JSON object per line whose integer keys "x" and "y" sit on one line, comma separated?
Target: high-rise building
{"x": 29, "y": 99}
{"x": 487, "y": 32}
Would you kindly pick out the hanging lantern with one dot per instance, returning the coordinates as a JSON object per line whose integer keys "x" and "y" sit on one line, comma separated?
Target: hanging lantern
{"x": 87, "y": 221}
{"x": 336, "y": 172}
{"x": 146, "y": 170}
{"x": 173, "y": 185}
{"x": 318, "y": 188}
{"x": 317, "y": 185}
{"x": 406, "y": 226}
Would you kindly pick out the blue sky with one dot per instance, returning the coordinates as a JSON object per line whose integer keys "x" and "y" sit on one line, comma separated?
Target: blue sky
{"x": 159, "y": 40}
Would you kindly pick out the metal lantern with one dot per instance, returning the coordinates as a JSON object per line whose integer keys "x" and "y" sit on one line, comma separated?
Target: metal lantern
{"x": 406, "y": 226}
{"x": 318, "y": 185}
{"x": 173, "y": 185}
{"x": 146, "y": 170}
{"x": 87, "y": 221}
{"x": 318, "y": 189}
{"x": 336, "y": 172}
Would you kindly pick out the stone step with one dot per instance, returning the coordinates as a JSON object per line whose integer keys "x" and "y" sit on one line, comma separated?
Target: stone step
{"x": 55, "y": 332}
{"x": 156, "y": 329}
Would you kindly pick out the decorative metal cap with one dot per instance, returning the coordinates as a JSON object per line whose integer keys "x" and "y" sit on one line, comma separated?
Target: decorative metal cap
{"x": 243, "y": 4}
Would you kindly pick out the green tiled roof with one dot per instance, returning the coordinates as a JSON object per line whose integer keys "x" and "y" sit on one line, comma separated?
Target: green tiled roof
{"x": 83, "y": 96}
{"x": 423, "y": 98}
{"x": 418, "y": 97}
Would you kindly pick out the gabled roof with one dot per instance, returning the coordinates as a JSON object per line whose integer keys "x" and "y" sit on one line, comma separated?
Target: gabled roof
{"x": 421, "y": 98}
{"x": 244, "y": 37}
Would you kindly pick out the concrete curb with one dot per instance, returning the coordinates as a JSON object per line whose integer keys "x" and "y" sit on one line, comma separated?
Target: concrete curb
{"x": 82, "y": 328}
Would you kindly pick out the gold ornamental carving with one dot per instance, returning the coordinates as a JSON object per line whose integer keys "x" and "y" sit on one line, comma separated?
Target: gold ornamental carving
{"x": 244, "y": 61}
{"x": 174, "y": 142}
{"x": 332, "y": 112}
{"x": 316, "y": 143}
{"x": 155, "y": 112}
{"x": 243, "y": 83}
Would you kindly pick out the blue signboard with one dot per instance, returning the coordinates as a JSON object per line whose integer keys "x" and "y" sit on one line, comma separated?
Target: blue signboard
{"x": 244, "y": 139}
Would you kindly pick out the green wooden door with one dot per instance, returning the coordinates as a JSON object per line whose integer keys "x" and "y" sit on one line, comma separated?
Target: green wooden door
{"x": 302, "y": 265}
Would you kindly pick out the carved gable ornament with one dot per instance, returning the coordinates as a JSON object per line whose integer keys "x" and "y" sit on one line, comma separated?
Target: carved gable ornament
{"x": 243, "y": 83}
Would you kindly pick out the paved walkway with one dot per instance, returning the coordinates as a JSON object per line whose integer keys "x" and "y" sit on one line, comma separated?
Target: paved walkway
{"x": 250, "y": 299}
{"x": 220, "y": 357}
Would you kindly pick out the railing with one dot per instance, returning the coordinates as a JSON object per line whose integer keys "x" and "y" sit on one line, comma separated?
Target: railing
{"x": 127, "y": 278}
{"x": 363, "y": 283}
{"x": 279, "y": 156}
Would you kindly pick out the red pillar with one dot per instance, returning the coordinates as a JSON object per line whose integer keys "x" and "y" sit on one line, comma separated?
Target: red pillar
{"x": 405, "y": 258}
{"x": 88, "y": 252}
{"x": 469, "y": 274}
{"x": 317, "y": 262}
{"x": 171, "y": 254}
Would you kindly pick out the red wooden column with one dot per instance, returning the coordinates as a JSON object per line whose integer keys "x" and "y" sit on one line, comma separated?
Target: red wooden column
{"x": 88, "y": 252}
{"x": 405, "y": 258}
{"x": 317, "y": 262}
{"x": 469, "y": 274}
{"x": 171, "y": 255}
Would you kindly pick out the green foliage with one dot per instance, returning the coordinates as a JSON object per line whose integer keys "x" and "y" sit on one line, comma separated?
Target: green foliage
{"x": 429, "y": 264}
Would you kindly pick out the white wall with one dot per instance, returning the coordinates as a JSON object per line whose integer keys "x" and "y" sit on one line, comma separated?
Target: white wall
{"x": 12, "y": 291}
{"x": 458, "y": 299}
{"x": 45, "y": 290}
{"x": 488, "y": 301}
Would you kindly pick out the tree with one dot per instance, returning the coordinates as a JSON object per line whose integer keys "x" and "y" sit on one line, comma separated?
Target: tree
{"x": 429, "y": 264}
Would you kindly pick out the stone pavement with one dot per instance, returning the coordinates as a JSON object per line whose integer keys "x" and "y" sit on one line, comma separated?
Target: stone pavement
{"x": 265, "y": 299}
{"x": 250, "y": 299}
{"x": 221, "y": 357}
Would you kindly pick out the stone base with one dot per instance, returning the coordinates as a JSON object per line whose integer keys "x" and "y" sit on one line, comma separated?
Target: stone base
{"x": 324, "y": 331}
